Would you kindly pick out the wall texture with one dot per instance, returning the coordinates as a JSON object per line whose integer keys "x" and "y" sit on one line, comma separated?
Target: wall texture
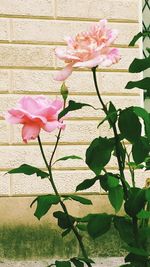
{"x": 29, "y": 32}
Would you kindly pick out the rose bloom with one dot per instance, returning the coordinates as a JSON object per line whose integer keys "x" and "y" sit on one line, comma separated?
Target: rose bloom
{"x": 88, "y": 49}
{"x": 36, "y": 113}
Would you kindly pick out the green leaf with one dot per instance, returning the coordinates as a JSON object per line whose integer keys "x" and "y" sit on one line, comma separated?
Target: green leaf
{"x": 143, "y": 214}
{"x": 135, "y": 202}
{"x": 116, "y": 197}
{"x": 142, "y": 113}
{"x": 77, "y": 263}
{"x": 112, "y": 181}
{"x": 44, "y": 203}
{"x": 129, "y": 125}
{"x": 140, "y": 150}
{"x": 82, "y": 226}
{"x": 142, "y": 84}
{"x": 139, "y": 65}
{"x": 99, "y": 224}
{"x": 98, "y": 154}
{"x": 71, "y": 107}
{"x": 66, "y": 232}
{"x": 29, "y": 170}
{"x": 113, "y": 113}
{"x": 63, "y": 220}
{"x": 62, "y": 263}
{"x": 87, "y": 184}
{"x": 82, "y": 200}
{"x": 137, "y": 251}
{"x": 125, "y": 229}
{"x": 108, "y": 181}
{"x": 68, "y": 157}
{"x": 138, "y": 36}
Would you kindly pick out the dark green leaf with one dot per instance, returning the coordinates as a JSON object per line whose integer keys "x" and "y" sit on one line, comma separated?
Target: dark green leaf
{"x": 135, "y": 202}
{"x": 66, "y": 232}
{"x": 116, "y": 197}
{"x": 63, "y": 220}
{"x": 139, "y": 65}
{"x": 82, "y": 227}
{"x": 142, "y": 84}
{"x": 68, "y": 157}
{"x": 112, "y": 181}
{"x": 143, "y": 214}
{"x": 82, "y": 200}
{"x": 113, "y": 114}
{"x": 136, "y": 38}
{"x": 129, "y": 125}
{"x": 44, "y": 203}
{"x": 98, "y": 154}
{"x": 125, "y": 229}
{"x": 86, "y": 184}
{"x": 137, "y": 251}
{"x": 63, "y": 263}
{"x": 71, "y": 107}
{"x": 99, "y": 224}
{"x": 86, "y": 260}
{"x": 140, "y": 150}
{"x": 142, "y": 113}
{"x": 108, "y": 181}
{"x": 77, "y": 263}
{"x": 29, "y": 170}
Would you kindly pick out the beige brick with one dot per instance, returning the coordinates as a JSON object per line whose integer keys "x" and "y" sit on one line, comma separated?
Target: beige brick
{"x": 4, "y": 29}
{"x": 117, "y": 9}
{"x": 26, "y": 55}
{"x": 4, "y": 184}
{"x": 9, "y": 101}
{"x": 4, "y": 132}
{"x": 127, "y": 56}
{"x": 5, "y": 80}
{"x": 41, "y": 30}
{"x": 14, "y": 156}
{"x": 65, "y": 181}
{"x": 27, "y": 7}
{"x": 79, "y": 82}
{"x": 119, "y": 102}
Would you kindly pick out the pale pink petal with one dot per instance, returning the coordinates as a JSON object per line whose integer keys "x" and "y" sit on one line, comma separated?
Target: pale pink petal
{"x": 57, "y": 103}
{"x": 89, "y": 63}
{"x": 30, "y": 132}
{"x": 51, "y": 126}
{"x": 63, "y": 74}
{"x": 29, "y": 104}
{"x": 62, "y": 54}
{"x": 12, "y": 119}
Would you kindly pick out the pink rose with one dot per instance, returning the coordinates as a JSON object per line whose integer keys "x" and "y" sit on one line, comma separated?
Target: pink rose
{"x": 88, "y": 49}
{"x": 36, "y": 113}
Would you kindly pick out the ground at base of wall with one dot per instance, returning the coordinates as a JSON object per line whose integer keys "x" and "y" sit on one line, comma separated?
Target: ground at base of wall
{"x": 101, "y": 262}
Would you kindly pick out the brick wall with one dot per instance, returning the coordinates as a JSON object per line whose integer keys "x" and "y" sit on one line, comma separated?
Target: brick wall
{"x": 29, "y": 32}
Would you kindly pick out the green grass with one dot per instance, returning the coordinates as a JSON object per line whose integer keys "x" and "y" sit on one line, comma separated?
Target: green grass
{"x": 39, "y": 242}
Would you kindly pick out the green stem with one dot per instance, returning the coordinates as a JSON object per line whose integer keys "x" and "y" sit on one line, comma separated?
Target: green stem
{"x": 117, "y": 141}
{"x": 49, "y": 168}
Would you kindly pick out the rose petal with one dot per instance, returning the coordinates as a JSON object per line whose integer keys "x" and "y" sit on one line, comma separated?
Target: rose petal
{"x": 30, "y": 131}
{"x": 63, "y": 74}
